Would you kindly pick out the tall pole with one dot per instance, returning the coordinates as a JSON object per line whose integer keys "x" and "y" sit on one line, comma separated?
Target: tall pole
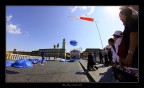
{"x": 99, "y": 35}
{"x": 58, "y": 53}
{"x": 81, "y": 51}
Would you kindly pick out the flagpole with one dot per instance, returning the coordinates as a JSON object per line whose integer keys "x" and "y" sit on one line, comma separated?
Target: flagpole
{"x": 99, "y": 34}
{"x": 58, "y": 49}
{"x": 91, "y": 19}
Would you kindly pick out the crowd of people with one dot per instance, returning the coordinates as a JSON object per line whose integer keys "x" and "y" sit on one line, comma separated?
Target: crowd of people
{"x": 122, "y": 50}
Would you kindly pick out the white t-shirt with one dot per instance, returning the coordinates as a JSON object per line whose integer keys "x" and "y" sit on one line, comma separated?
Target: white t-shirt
{"x": 114, "y": 54}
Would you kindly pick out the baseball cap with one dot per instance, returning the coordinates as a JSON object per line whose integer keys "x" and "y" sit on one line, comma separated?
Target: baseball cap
{"x": 118, "y": 33}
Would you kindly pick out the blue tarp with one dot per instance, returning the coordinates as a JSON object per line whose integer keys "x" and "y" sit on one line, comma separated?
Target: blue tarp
{"x": 22, "y": 64}
{"x": 71, "y": 60}
{"x": 62, "y": 60}
{"x": 9, "y": 62}
{"x": 36, "y": 60}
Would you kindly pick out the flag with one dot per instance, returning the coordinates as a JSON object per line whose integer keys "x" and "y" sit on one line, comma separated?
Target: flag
{"x": 57, "y": 45}
{"x": 54, "y": 46}
{"x": 86, "y": 18}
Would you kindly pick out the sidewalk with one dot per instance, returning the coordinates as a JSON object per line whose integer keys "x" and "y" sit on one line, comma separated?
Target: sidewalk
{"x": 103, "y": 74}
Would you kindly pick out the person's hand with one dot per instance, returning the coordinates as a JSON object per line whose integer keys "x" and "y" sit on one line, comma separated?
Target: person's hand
{"x": 120, "y": 62}
{"x": 128, "y": 60}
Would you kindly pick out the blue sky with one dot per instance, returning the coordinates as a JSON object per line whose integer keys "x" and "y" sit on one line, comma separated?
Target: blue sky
{"x": 31, "y": 28}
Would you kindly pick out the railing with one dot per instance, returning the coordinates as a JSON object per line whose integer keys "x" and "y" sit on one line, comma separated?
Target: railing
{"x": 10, "y": 56}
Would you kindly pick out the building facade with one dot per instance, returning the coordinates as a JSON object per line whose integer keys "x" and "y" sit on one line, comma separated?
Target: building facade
{"x": 88, "y": 50}
{"x": 75, "y": 54}
{"x": 53, "y": 52}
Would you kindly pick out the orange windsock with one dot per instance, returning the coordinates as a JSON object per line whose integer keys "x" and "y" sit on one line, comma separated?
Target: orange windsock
{"x": 86, "y": 18}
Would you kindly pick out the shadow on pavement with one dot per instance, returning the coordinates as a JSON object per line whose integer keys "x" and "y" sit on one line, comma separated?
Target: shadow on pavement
{"x": 106, "y": 76}
{"x": 11, "y": 72}
{"x": 81, "y": 73}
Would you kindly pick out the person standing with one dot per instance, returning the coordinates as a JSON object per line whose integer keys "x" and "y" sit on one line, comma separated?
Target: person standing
{"x": 130, "y": 38}
{"x": 115, "y": 58}
{"x": 106, "y": 49}
{"x": 101, "y": 57}
{"x": 91, "y": 63}
{"x": 128, "y": 48}
{"x": 95, "y": 55}
{"x": 15, "y": 52}
{"x": 117, "y": 37}
{"x": 111, "y": 51}
{"x": 43, "y": 53}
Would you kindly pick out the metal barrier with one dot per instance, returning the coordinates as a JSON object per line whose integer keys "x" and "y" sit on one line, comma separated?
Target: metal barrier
{"x": 18, "y": 56}
{"x": 10, "y": 56}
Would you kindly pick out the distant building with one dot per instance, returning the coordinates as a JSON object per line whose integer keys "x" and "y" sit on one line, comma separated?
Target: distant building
{"x": 88, "y": 50}
{"x": 75, "y": 54}
{"x": 53, "y": 52}
{"x": 84, "y": 54}
{"x": 60, "y": 52}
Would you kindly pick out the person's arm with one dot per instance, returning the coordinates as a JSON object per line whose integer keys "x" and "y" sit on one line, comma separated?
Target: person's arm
{"x": 132, "y": 47}
{"x": 133, "y": 41}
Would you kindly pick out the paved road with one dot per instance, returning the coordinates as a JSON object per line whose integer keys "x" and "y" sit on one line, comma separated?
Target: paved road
{"x": 103, "y": 74}
{"x": 51, "y": 71}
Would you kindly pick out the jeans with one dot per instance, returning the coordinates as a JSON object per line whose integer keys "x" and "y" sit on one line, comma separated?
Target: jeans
{"x": 101, "y": 60}
{"x": 42, "y": 61}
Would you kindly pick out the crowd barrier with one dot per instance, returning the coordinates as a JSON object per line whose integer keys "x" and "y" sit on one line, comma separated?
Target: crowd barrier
{"x": 10, "y": 56}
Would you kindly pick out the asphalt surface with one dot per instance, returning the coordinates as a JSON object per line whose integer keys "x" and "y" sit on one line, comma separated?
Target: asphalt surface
{"x": 50, "y": 72}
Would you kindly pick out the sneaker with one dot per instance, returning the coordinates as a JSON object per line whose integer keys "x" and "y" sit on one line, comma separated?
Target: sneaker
{"x": 93, "y": 69}
{"x": 89, "y": 69}
{"x": 96, "y": 67}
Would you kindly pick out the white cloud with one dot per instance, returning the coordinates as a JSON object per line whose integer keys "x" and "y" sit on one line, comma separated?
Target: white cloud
{"x": 12, "y": 28}
{"x": 74, "y": 9}
{"x": 82, "y": 7}
{"x": 8, "y": 18}
{"x": 92, "y": 8}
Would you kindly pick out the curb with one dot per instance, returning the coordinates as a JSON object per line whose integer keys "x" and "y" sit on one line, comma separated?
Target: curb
{"x": 91, "y": 79}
